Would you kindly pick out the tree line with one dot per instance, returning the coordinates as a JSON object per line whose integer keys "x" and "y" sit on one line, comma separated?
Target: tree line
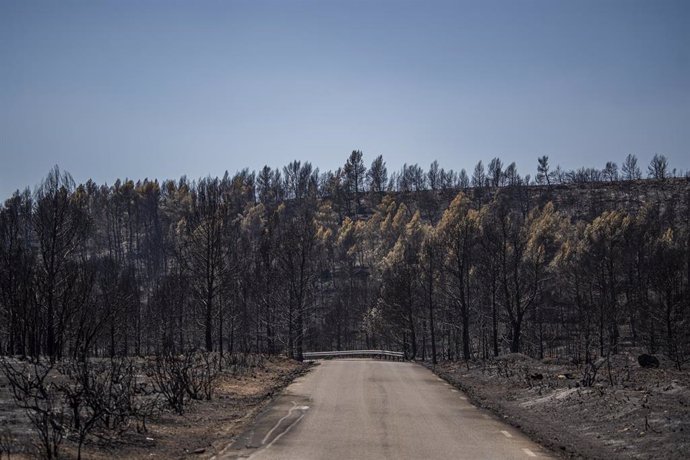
{"x": 434, "y": 263}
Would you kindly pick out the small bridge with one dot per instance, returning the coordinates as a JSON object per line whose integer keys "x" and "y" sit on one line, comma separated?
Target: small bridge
{"x": 381, "y": 354}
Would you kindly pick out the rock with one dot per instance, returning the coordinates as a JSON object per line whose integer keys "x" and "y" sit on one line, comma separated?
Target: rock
{"x": 536, "y": 376}
{"x": 648, "y": 361}
{"x": 200, "y": 450}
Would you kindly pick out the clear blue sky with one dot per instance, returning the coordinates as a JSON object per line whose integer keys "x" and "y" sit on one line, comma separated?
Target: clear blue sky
{"x": 160, "y": 89}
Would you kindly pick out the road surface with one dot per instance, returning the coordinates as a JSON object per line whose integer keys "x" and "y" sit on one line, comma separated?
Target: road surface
{"x": 369, "y": 409}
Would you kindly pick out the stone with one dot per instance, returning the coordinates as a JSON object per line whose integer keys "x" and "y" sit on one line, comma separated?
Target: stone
{"x": 648, "y": 361}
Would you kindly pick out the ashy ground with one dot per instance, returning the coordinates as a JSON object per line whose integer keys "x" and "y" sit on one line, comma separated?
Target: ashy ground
{"x": 645, "y": 414}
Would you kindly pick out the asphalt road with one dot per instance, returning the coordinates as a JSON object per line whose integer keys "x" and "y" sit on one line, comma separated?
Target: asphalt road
{"x": 369, "y": 409}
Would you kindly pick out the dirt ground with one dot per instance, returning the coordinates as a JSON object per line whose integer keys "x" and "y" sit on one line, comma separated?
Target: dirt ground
{"x": 203, "y": 430}
{"x": 645, "y": 413}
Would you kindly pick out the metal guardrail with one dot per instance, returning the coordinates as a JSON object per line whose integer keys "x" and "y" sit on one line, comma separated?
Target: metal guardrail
{"x": 385, "y": 354}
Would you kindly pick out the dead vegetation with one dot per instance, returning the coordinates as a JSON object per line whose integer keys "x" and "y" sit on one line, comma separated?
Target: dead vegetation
{"x": 611, "y": 408}
{"x": 183, "y": 377}
{"x": 58, "y": 410}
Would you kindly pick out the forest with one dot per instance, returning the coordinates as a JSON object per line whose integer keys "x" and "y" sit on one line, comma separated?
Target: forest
{"x": 438, "y": 264}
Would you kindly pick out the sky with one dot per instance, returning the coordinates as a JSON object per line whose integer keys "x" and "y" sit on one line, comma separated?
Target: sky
{"x": 160, "y": 89}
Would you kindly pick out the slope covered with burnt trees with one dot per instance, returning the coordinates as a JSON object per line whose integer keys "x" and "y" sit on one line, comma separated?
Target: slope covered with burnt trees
{"x": 434, "y": 263}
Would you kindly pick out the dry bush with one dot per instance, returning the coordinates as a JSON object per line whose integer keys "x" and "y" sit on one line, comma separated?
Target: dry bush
{"x": 35, "y": 391}
{"x": 203, "y": 375}
{"x": 243, "y": 363}
{"x": 187, "y": 376}
{"x": 167, "y": 372}
{"x": 105, "y": 396}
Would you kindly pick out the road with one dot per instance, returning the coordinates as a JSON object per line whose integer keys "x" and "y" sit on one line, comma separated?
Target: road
{"x": 369, "y": 409}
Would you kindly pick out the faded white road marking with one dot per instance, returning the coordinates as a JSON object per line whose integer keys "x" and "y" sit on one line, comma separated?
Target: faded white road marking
{"x": 286, "y": 430}
{"x": 289, "y": 427}
{"x": 506, "y": 434}
{"x": 529, "y": 452}
{"x": 263, "y": 441}
{"x": 294, "y": 406}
